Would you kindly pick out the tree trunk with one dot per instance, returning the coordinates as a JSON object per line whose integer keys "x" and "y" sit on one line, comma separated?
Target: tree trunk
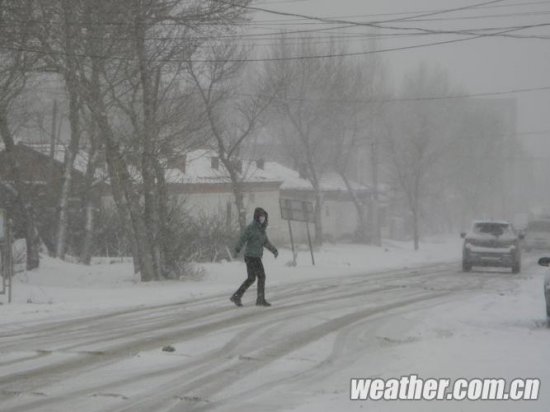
{"x": 361, "y": 221}
{"x": 31, "y": 234}
{"x": 74, "y": 120}
{"x": 376, "y": 225}
{"x": 88, "y": 204}
{"x": 126, "y": 199}
{"x": 237, "y": 192}
{"x": 239, "y": 203}
{"x": 70, "y": 156}
{"x": 86, "y": 250}
{"x": 167, "y": 259}
{"x": 416, "y": 236}
{"x": 128, "y": 205}
{"x": 151, "y": 214}
{"x": 53, "y": 142}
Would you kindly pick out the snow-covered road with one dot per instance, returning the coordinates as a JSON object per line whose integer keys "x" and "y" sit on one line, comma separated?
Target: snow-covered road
{"x": 297, "y": 355}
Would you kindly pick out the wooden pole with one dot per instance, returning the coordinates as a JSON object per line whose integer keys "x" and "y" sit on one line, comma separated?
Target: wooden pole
{"x": 310, "y": 245}
{"x": 292, "y": 243}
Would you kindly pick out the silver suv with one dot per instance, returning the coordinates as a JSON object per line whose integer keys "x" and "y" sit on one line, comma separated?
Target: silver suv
{"x": 491, "y": 243}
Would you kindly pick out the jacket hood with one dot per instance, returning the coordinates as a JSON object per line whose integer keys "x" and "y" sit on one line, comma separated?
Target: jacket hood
{"x": 261, "y": 212}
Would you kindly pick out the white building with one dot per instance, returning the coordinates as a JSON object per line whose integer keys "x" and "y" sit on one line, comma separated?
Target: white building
{"x": 201, "y": 183}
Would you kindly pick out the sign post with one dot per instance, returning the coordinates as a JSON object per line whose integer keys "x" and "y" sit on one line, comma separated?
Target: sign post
{"x": 6, "y": 258}
{"x": 299, "y": 211}
{"x": 309, "y": 235}
{"x": 2, "y": 225}
{"x": 292, "y": 243}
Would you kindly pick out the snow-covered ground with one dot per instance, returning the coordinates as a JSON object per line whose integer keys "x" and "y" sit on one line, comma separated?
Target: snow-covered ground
{"x": 90, "y": 338}
{"x": 64, "y": 289}
{"x": 500, "y": 331}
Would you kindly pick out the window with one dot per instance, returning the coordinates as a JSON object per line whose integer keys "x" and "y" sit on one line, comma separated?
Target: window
{"x": 215, "y": 163}
{"x": 496, "y": 229}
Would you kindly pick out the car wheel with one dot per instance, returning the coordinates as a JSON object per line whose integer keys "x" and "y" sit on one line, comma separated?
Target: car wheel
{"x": 466, "y": 266}
{"x": 516, "y": 267}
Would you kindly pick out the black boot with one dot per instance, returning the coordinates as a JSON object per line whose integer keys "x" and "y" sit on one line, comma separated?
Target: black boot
{"x": 236, "y": 300}
{"x": 262, "y": 302}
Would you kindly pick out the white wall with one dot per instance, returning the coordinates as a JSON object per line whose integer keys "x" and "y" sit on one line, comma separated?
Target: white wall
{"x": 339, "y": 218}
{"x": 216, "y": 203}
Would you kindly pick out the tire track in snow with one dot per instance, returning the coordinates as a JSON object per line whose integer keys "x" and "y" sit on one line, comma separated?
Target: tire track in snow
{"x": 332, "y": 293}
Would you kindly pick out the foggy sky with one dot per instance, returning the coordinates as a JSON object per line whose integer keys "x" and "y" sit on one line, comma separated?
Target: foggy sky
{"x": 479, "y": 65}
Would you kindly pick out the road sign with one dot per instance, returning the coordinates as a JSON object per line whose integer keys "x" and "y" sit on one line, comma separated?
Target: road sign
{"x": 298, "y": 210}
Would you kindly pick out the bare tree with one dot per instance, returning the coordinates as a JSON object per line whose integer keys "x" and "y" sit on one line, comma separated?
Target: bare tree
{"x": 306, "y": 108}
{"x": 356, "y": 114}
{"x": 69, "y": 70}
{"x": 15, "y": 63}
{"x": 89, "y": 197}
{"x": 418, "y": 138}
{"x": 128, "y": 58}
{"x": 480, "y": 156}
{"x": 232, "y": 117}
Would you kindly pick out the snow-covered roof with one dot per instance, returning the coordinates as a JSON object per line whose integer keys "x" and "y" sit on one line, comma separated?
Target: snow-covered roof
{"x": 198, "y": 169}
{"x": 292, "y": 181}
{"x": 496, "y": 222}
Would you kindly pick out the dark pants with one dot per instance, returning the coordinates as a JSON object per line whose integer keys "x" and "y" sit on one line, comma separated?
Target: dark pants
{"x": 255, "y": 269}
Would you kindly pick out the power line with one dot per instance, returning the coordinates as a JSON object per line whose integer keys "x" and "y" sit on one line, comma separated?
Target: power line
{"x": 383, "y": 100}
{"x": 485, "y": 16}
{"x": 430, "y": 19}
{"x": 416, "y": 12}
{"x": 338, "y": 21}
{"x": 344, "y": 24}
{"x": 426, "y": 98}
{"x": 403, "y": 32}
{"x": 181, "y": 21}
{"x": 380, "y": 24}
{"x": 289, "y": 58}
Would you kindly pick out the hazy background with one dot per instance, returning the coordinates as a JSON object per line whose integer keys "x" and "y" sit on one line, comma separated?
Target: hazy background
{"x": 483, "y": 65}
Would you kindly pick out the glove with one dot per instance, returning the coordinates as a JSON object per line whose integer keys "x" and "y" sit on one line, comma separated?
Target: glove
{"x": 276, "y": 253}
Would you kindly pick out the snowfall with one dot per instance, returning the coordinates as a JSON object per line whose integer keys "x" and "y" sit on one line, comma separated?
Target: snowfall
{"x": 91, "y": 338}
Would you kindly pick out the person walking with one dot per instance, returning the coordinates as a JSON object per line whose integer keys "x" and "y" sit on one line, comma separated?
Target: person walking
{"x": 256, "y": 239}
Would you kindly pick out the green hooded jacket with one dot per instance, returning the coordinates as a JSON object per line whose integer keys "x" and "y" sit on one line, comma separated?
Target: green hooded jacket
{"x": 255, "y": 237}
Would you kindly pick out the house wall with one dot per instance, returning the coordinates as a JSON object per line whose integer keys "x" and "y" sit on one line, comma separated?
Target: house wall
{"x": 339, "y": 215}
{"x": 42, "y": 180}
{"x": 340, "y": 218}
{"x": 217, "y": 204}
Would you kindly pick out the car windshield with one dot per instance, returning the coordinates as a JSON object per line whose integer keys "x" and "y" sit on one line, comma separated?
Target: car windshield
{"x": 539, "y": 226}
{"x": 496, "y": 229}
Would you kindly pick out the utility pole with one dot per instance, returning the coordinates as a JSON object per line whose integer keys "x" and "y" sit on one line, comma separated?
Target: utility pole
{"x": 53, "y": 140}
{"x": 377, "y": 235}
